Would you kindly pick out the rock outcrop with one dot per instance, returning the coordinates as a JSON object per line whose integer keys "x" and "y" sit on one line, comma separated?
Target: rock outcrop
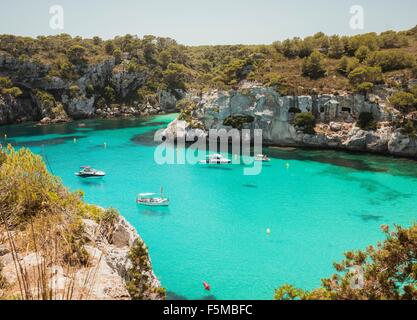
{"x": 109, "y": 270}
{"x": 90, "y": 83}
{"x": 274, "y": 114}
{"x": 14, "y": 110}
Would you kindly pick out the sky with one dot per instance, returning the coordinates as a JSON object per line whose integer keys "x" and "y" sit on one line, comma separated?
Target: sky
{"x": 197, "y": 22}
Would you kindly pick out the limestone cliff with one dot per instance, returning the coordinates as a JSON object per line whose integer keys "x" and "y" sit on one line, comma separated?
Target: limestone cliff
{"x": 81, "y": 96}
{"x": 108, "y": 275}
{"x": 274, "y": 114}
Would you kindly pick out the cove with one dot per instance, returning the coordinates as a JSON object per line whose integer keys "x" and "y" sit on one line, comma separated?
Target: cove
{"x": 323, "y": 204}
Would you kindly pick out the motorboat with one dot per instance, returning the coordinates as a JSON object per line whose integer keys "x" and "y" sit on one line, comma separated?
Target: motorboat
{"x": 152, "y": 200}
{"x": 216, "y": 159}
{"x": 262, "y": 158}
{"x": 88, "y": 172}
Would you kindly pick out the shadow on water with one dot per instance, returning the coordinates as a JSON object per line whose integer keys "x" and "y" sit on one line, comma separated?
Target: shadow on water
{"x": 92, "y": 182}
{"x": 145, "y": 139}
{"x": 46, "y": 142}
{"x": 337, "y": 158}
{"x": 215, "y": 167}
{"x": 153, "y": 212}
{"x": 370, "y": 217}
{"x": 250, "y": 185}
{"x": 369, "y": 185}
{"x": 31, "y": 129}
{"x": 209, "y": 298}
{"x": 175, "y": 297}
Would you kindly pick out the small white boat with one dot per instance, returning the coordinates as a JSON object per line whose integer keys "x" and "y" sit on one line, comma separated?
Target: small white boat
{"x": 216, "y": 159}
{"x": 88, "y": 172}
{"x": 151, "y": 200}
{"x": 262, "y": 158}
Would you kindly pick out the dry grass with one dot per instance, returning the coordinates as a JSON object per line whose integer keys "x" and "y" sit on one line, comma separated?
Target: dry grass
{"x": 44, "y": 240}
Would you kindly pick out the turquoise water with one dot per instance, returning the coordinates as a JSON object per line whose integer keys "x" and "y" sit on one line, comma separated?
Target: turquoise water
{"x": 324, "y": 204}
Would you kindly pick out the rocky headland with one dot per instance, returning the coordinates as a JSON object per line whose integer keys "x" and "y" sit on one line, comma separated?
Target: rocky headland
{"x": 336, "y": 118}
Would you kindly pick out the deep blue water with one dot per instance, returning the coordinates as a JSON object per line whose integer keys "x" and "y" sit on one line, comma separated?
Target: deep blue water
{"x": 322, "y": 205}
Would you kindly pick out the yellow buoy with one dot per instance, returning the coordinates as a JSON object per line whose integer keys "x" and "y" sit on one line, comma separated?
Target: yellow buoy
{"x": 287, "y": 165}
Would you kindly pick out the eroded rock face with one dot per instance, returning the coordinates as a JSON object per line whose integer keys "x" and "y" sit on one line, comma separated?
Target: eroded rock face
{"x": 14, "y": 110}
{"x": 91, "y": 81}
{"x": 274, "y": 114}
{"x": 168, "y": 100}
{"x": 109, "y": 262}
{"x": 79, "y": 107}
{"x": 126, "y": 83}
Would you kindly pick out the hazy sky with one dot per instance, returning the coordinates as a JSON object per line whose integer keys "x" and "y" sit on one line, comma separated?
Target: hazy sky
{"x": 205, "y": 22}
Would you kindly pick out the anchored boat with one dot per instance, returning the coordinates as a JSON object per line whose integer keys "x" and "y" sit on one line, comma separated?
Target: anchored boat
{"x": 88, "y": 172}
{"x": 216, "y": 159}
{"x": 152, "y": 200}
{"x": 262, "y": 158}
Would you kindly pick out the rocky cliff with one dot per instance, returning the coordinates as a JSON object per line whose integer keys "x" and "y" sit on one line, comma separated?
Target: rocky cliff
{"x": 336, "y": 116}
{"x": 109, "y": 275}
{"x": 105, "y": 89}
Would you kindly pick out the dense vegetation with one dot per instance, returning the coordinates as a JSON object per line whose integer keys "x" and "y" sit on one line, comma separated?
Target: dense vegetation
{"x": 294, "y": 66}
{"x": 385, "y": 272}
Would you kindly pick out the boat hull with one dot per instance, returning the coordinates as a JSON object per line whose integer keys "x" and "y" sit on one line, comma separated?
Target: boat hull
{"x": 90, "y": 175}
{"x": 153, "y": 204}
{"x": 215, "y": 162}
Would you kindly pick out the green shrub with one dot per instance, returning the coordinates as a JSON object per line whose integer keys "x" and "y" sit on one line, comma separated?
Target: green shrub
{"x": 89, "y": 89}
{"x": 336, "y": 47}
{"x": 362, "y": 53}
{"x": 13, "y": 91}
{"x": 388, "y": 270}
{"x": 305, "y": 121}
{"x": 346, "y": 65}
{"x": 67, "y": 70}
{"x": 117, "y": 54}
{"x": 5, "y": 82}
{"x": 238, "y": 121}
{"x": 109, "y": 94}
{"x": 109, "y": 47}
{"x": 409, "y": 128}
{"x": 366, "y": 74}
{"x": 138, "y": 274}
{"x": 175, "y": 76}
{"x": 74, "y": 90}
{"x": 391, "y": 60}
{"x": 313, "y": 66}
{"x": 369, "y": 40}
{"x": 364, "y": 87}
{"x": 404, "y": 101}
{"x": 77, "y": 54}
{"x": 391, "y": 39}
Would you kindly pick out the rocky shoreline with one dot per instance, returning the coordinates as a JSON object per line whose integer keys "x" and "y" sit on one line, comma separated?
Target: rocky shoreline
{"x": 336, "y": 116}
{"x": 110, "y": 261}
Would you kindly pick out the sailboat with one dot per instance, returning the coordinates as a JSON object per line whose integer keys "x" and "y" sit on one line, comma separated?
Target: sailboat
{"x": 152, "y": 200}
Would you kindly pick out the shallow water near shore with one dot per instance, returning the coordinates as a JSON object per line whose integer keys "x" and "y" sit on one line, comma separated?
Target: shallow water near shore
{"x": 320, "y": 205}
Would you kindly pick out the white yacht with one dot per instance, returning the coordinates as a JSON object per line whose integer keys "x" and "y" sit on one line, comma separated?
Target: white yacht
{"x": 88, "y": 172}
{"x": 262, "y": 158}
{"x": 216, "y": 159}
